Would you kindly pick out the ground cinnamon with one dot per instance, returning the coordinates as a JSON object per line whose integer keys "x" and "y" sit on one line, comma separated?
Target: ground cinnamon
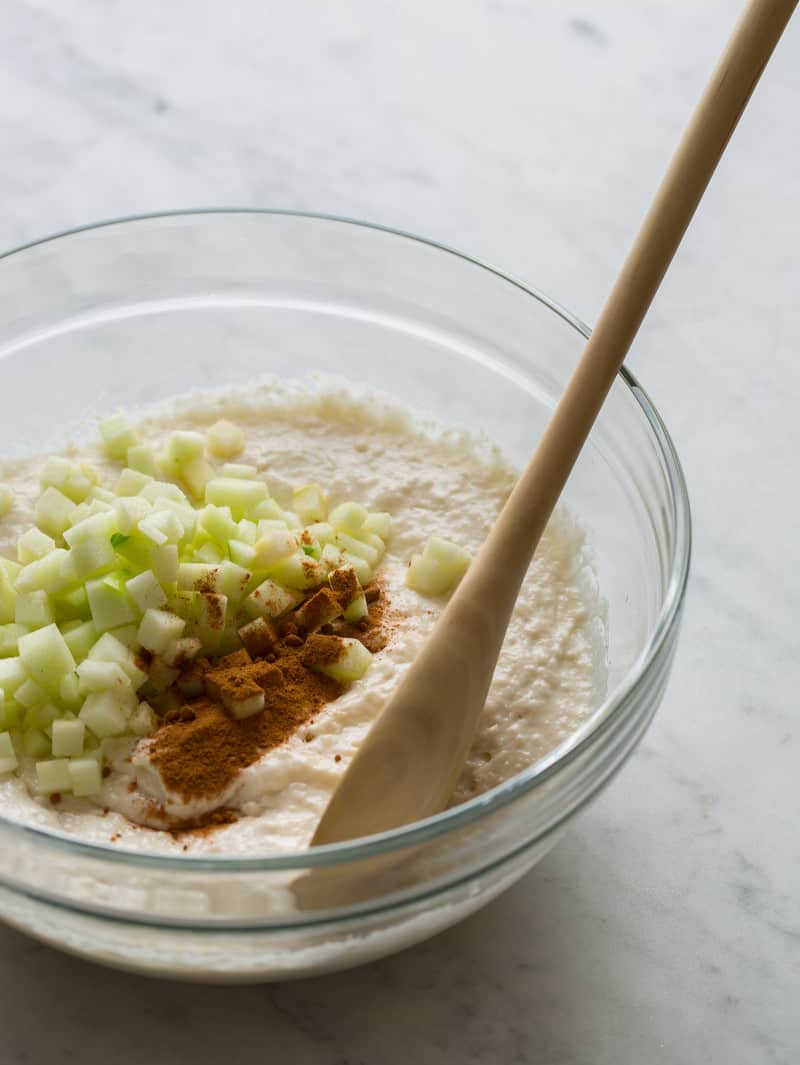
{"x": 200, "y": 751}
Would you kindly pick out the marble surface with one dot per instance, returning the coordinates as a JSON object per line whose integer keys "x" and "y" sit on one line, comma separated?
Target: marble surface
{"x": 665, "y": 927}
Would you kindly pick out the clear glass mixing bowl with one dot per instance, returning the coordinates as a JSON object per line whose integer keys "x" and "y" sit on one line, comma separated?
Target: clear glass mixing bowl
{"x": 128, "y": 314}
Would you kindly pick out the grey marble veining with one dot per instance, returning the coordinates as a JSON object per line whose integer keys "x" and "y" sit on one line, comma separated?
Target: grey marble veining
{"x": 666, "y": 927}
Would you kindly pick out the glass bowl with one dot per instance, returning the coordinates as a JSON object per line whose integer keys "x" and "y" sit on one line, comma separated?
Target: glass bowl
{"x": 128, "y": 314}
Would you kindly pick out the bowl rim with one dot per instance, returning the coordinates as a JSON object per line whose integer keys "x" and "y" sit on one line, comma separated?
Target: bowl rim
{"x": 604, "y": 719}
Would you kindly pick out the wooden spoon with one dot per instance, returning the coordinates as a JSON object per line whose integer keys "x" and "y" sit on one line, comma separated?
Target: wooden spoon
{"x": 411, "y": 759}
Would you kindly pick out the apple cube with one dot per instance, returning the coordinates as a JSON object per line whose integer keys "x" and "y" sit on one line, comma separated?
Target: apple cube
{"x": 239, "y": 469}
{"x": 240, "y": 495}
{"x": 272, "y": 547}
{"x": 142, "y": 460}
{"x": 8, "y": 756}
{"x": 67, "y": 738}
{"x": 81, "y": 639}
{"x": 86, "y": 776}
{"x": 69, "y": 692}
{"x": 29, "y": 693}
{"x": 348, "y": 517}
{"x": 53, "y": 775}
{"x": 299, "y": 572}
{"x": 357, "y": 609}
{"x": 46, "y": 656}
{"x": 349, "y": 659}
{"x": 158, "y": 629}
{"x": 217, "y": 523}
{"x": 131, "y": 482}
{"x": 195, "y": 474}
{"x": 164, "y": 562}
{"x": 12, "y": 675}
{"x": 272, "y": 600}
{"x": 225, "y": 439}
{"x": 117, "y": 435}
{"x": 33, "y": 609}
{"x": 379, "y": 523}
{"x": 103, "y": 714}
{"x": 54, "y": 572}
{"x": 145, "y": 591}
{"x": 9, "y": 639}
{"x": 309, "y": 503}
{"x": 96, "y": 676}
{"x": 439, "y": 568}
{"x": 109, "y": 604}
{"x": 184, "y": 445}
{"x": 54, "y": 511}
{"x": 243, "y": 554}
{"x": 8, "y": 599}
{"x": 109, "y": 649}
{"x": 36, "y": 743}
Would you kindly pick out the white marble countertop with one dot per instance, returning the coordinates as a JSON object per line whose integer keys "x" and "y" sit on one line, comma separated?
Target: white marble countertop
{"x": 666, "y": 927}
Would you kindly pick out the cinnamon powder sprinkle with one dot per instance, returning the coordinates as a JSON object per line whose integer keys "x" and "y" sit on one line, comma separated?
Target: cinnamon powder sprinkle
{"x": 200, "y": 751}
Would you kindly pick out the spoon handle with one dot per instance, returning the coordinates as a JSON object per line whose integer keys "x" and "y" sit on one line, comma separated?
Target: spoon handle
{"x": 408, "y": 765}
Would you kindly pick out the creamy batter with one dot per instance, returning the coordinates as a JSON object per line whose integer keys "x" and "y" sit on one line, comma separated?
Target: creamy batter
{"x": 549, "y": 678}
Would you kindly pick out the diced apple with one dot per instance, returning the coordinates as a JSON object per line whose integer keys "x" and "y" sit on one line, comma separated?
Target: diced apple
{"x": 439, "y": 568}
{"x": 81, "y": 639}
{"x": 145, "y": 591}
{"x": 379, "y": 523}
{"x": 96, "y": 676}
{"x": 12, "y": 675}
{"x": 8, "y": 756}
{"x": 35, "y": 743}
{"x": 225, "y": 439}
{"x": 29, "y": 693}
{"x": 9, "y": 639}
{"x": 239, "y": 469}
{"x": 348, "y": 517}
{"x": 158, "y": 629}
{"x": 364, "y": 571}
{"x": 86, "y": 776}
{"x": 8, "y": 598}
{"x": 157, "y": 491}
{"x": 272, "y": 547}
{"x": 272, "y": 600}
{"x": 109, "y": 604}
{"x": 109, "y": 649}
{"x": 181, "y": 651}
{"x": 240, "y": 495}
{"x": 117, "y": 435}
{"x": 67, "y": 738}
{"x": 46, "y": 656}
{"x": 53, "y": 775}
{"x": 184, "y": 445}
{"x": 131, "y": 482}
{"x": 164, "y": 562}
{"x": 142, "y": 459}
{"x": 242, "y": 554}
{"x": 72, "y": 605}
{"x": 299, "y": 571}
{"x": 348, "y": 660}
{"x": 33, "y": 609}
{"x": 218, "y": 523}
{"x": 357, "y": 609}
{"x": 69, "y": 692}
{"x": 309, "y": 503}
{"x": 103, "y": 714}
{"x": 195, "y": 474}
{"x": 54, "y": 511}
